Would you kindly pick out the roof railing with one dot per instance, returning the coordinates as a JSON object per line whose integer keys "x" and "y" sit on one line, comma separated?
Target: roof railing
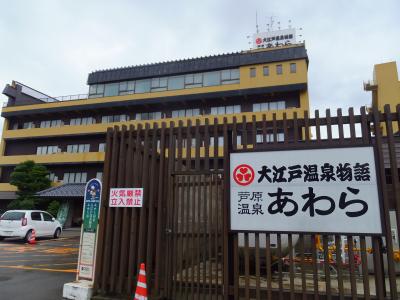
{"x": 65, "y": 98}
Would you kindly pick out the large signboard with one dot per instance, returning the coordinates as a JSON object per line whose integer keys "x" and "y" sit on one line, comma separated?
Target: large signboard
{"x": 275, "y": 38}
{"x": 91, "y": 212}
{"x": 319, "y": 190}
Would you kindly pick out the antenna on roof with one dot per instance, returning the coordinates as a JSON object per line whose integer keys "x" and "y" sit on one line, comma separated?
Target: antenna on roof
{"x": 290, "y": 24}
{"x": 271, "y": 23}
{"x": 256, "y": 23}
{"x": 300, "y": 35}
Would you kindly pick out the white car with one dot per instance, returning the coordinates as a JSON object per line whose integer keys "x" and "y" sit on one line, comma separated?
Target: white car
{"x": 19, "y": 223}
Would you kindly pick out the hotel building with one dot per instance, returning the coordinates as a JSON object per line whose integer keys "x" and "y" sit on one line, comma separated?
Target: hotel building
{"x": 67, "y": 134}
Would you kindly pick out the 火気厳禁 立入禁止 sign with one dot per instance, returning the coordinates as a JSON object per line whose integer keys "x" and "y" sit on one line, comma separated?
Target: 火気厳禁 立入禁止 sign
{"x": 126, "y": 197}
{"x": 319, "y": 190}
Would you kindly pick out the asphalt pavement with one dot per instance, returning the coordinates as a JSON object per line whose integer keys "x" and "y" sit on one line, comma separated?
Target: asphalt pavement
{"x": 38, "y": 272}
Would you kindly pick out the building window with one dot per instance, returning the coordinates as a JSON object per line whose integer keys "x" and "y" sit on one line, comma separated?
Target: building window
{"x": 276, "y": 105}
{"x": 102, "y": 147}
{"x": 238, "y": 140}
{"x": 51, "y": 123}
{"x": 193, "y": 142}
{"x": 280, "y": 137}
{"x": 52, "y": 177}
{"x": 176, "y": 83}
{"x": 28, "y": 125}
{"x": 96, "y": 90}
{"x": 220, "y": 141}
{"x": 111, "y": 89}
{"x": 279, "y": 69}
{"x": 222, "y": 110}
{"x": 79, "y": 177}
{"x": 212, "y": 78}
{"x": 143, "y": 86}
{"x": 127, "y": 87}
{"x": 266, "y": 71}
{"x": 99, "y": 176}
{"x": 193, "y": 80}
{"x": 191, "y": 112}
{"x": 78, "y": 148}
{"x": 149, "y": 116}
{"x": 252, "y": 72}
{"x": 82, "y": 121}
{"x": 114, "y": 118}
{"x": 269, "y": 138}
{"x": 293, "y": 68}
{"x": 43, "y": 150}
{"x": 265, "y": 106}
{"x": 159, "y": 84}
{"x": 260, "y": 107}
{"x": 230, "y": 76}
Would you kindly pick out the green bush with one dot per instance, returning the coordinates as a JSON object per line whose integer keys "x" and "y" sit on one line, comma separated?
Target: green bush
{"x": 53, "y": 208}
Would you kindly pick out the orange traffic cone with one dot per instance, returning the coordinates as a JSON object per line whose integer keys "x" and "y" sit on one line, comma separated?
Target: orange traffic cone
{"x": 141, "y": 288}
{"x": 32, "y": 239}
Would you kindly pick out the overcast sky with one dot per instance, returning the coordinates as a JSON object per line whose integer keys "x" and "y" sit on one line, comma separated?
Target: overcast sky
{"x": 53, "y": 45}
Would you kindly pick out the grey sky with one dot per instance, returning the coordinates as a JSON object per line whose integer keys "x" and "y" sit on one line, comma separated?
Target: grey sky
{"x": 53, "y": 45}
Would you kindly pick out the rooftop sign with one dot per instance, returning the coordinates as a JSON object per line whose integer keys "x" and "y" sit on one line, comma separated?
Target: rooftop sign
{"x": 276, "y": 38}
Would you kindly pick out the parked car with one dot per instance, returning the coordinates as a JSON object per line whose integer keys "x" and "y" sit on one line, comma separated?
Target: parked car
{"x": 20, "y": 223}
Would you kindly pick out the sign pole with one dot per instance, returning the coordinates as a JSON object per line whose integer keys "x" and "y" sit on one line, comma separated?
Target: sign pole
{"x": 83, "y": 287}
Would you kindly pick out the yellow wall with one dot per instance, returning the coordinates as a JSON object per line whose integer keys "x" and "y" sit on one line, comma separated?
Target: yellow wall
{"x": 274, "y": 79}
{"x": 387, "y": 90}
{"x": 6, "y": 187}
{"x": 387, "y": 80}
{"x": 58, "y": 158}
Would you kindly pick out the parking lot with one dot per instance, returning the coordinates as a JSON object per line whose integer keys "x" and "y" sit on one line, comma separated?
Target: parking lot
{"x": 38, "y": 271}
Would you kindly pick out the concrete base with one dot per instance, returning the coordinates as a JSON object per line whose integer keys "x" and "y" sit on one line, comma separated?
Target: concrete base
{"x": 78, "y": 290}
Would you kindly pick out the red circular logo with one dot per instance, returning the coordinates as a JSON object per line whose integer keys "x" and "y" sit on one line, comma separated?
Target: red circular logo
{"x": 243, "y": 174}
{"x": 258, "y": 41}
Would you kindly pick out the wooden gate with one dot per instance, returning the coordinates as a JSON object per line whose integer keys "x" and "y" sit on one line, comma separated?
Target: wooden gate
{"x": 195, "y": 237}
{"x": 182, "y": 231}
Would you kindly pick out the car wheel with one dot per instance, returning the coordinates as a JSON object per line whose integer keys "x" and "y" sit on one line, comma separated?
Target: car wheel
{"x": 28, "y": 236}
{"x": 57, "y": 233}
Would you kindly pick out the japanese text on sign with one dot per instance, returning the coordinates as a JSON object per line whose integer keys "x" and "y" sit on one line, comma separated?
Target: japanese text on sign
{"x": 126, "y": 197}
{"x": 276, "y": 38}
{"x": 91, "y": 212}
{"x": 325, "y": 190}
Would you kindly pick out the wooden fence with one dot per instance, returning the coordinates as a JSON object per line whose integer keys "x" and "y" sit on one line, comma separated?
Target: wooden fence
{"x": 182, "y": 232}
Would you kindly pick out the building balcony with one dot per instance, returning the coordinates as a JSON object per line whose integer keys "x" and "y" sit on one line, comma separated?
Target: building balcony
{"x": 370, "y": 86}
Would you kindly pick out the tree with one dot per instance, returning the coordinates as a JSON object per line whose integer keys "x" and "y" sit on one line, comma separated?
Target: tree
{"x": 29, "y": 178}
{"x": 53, "y": 208}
